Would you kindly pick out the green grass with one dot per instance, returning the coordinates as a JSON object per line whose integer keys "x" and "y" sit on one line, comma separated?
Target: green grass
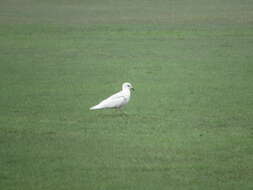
{"x": 188, "y": 124}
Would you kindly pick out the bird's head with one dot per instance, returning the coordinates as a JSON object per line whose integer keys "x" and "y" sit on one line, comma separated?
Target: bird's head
{"x": 127, "y": 85}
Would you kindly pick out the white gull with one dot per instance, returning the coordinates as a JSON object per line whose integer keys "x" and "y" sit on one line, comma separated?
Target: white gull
{"x": 117, "y": 100}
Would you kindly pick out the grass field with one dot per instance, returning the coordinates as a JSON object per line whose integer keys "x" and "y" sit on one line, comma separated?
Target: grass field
{"x": 189, "y": 122}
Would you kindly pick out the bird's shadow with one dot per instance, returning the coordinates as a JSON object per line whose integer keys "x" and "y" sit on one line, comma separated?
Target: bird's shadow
{"x": 114, "y": 114}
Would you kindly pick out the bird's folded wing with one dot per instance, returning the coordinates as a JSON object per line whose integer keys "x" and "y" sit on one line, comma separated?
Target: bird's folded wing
{"x": 115, "y": 96}
{"x": 116, "y": 101}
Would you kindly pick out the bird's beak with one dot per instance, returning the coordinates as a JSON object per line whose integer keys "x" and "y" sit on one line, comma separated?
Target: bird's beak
{"x": 132, "y": 89}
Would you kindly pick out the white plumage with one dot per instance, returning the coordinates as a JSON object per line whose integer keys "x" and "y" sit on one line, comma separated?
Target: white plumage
{"x": 116, "y": 100}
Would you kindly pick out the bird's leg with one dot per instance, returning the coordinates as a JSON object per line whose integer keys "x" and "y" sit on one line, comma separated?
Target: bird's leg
{"x": 118, "y": 110}
{"x": 122, "y": 112}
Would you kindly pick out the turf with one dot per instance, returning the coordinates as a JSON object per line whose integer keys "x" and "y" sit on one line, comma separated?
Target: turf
{"x": 187, "y": 126}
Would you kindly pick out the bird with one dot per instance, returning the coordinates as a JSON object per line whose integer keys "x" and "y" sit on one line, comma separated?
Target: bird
{"x": 117, "y": 100}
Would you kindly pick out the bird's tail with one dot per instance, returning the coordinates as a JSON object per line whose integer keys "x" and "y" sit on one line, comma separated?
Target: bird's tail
{"x": 96, "y": 107}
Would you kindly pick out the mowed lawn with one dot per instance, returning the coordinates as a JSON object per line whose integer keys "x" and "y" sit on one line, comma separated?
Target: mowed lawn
{"x": 188, "y": 125}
